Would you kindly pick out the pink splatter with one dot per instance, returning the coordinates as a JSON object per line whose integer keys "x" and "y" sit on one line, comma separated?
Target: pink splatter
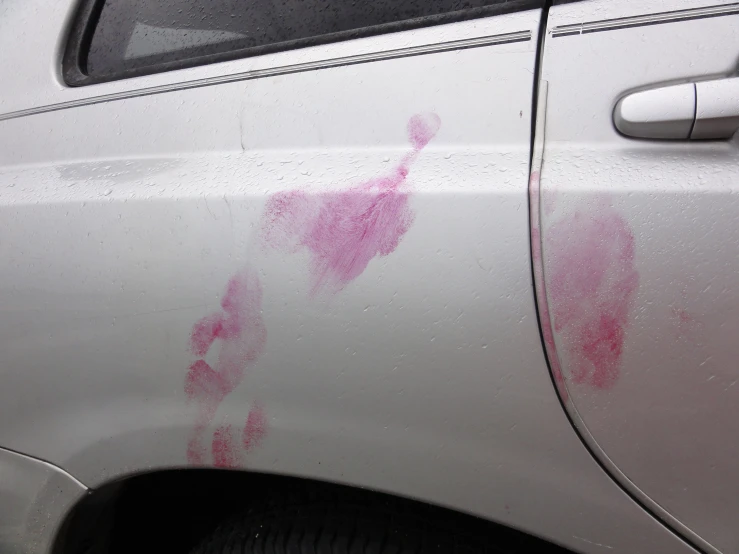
{"x": 687, "y": 326}
{"x": 241, "y": 330}
{"x": 345, "y": 230}
{"x": 540, "y": 287}
{"x": 255, "y": 428}
{"x": 422, "y": 128}
{"x": 592, "y": 285}
{"x": 224, "y": 451}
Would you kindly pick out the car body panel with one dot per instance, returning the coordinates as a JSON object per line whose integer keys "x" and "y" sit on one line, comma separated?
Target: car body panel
{"x": 132, "y": 211}
{"x": 640, "y": 251}
{"x": 34, "y": 499}
{"x": 33, "y": 80}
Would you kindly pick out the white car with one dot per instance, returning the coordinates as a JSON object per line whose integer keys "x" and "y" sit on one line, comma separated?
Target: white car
{"x": 391, "y": 276}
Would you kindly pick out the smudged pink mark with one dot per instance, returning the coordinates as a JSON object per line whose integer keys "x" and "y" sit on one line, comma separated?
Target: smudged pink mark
{"x": 682, "y": 316}
{"x": 241, "y": 330}
{"x": 224, "y": 451}
{"x": 540, "y": 287}
{"x": 687, "y": 326}
{"x": 197, "y": 453}
{"x": 205, "y": 332}
{"x": 549, "y": 199}
{"x": 422, "y": 128}
{"x": 255, "y": 428}
{"x": 592, "y": 286}
{"x": 345, "y": 230}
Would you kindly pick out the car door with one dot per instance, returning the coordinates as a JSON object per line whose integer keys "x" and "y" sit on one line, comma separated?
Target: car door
{"x": 636, "y": 245}
{"x": 302, "y": 252}
{"x": 269, "y": 240}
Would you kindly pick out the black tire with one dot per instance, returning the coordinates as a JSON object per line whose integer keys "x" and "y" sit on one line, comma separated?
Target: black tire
{"x": 341, "y": 527}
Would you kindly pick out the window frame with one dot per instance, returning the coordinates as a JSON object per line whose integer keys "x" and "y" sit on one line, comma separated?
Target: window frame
{"x": 87, "y": 15}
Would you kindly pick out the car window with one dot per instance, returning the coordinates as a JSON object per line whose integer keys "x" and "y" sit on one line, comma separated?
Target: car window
{"x": 120, "y": 38}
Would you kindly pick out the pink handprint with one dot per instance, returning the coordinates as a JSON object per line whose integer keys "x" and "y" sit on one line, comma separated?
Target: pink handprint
{"x": 343, "y": 231}
{"x": 240, "y": 329}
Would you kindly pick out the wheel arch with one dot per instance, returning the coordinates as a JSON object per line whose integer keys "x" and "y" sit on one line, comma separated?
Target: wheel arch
{"x": 172, "y": 510}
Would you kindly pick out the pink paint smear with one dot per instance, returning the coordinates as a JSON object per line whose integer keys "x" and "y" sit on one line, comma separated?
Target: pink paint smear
{"x": 593, "y": 282}
{"x": 240, "y": 330}
{"x": 255, "y": 428}
{"x": 687, "y": 326}
{"x": 344, "y": 230}
{"x": 226, "y": 449}
{"x": 540, "y": 287}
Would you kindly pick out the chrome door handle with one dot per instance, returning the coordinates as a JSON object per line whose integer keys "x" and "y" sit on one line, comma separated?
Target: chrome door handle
{"x": 702, "y": 110}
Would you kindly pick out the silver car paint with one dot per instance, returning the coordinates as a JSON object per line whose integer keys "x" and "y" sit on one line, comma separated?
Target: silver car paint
{"x": 640, "y": 256}
{"x": 34, "y": 499}
{"x": 126, "y": 213}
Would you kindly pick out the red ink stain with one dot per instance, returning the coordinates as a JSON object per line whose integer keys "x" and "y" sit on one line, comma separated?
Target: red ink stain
{"x": 242, "y": 335}
{"x": 255, "y": 428}
{"x": 592, "y": 285}
{"x": 345, "y": 230}
{"x": 540, "y": 287}
{"x": 224, "y": 452}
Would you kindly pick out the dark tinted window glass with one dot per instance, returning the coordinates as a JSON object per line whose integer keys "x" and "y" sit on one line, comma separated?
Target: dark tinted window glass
{"x": 133, "y": 37}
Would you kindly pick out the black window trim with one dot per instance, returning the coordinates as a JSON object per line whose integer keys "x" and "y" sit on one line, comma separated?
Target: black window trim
{"x": 85, "y": 20}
